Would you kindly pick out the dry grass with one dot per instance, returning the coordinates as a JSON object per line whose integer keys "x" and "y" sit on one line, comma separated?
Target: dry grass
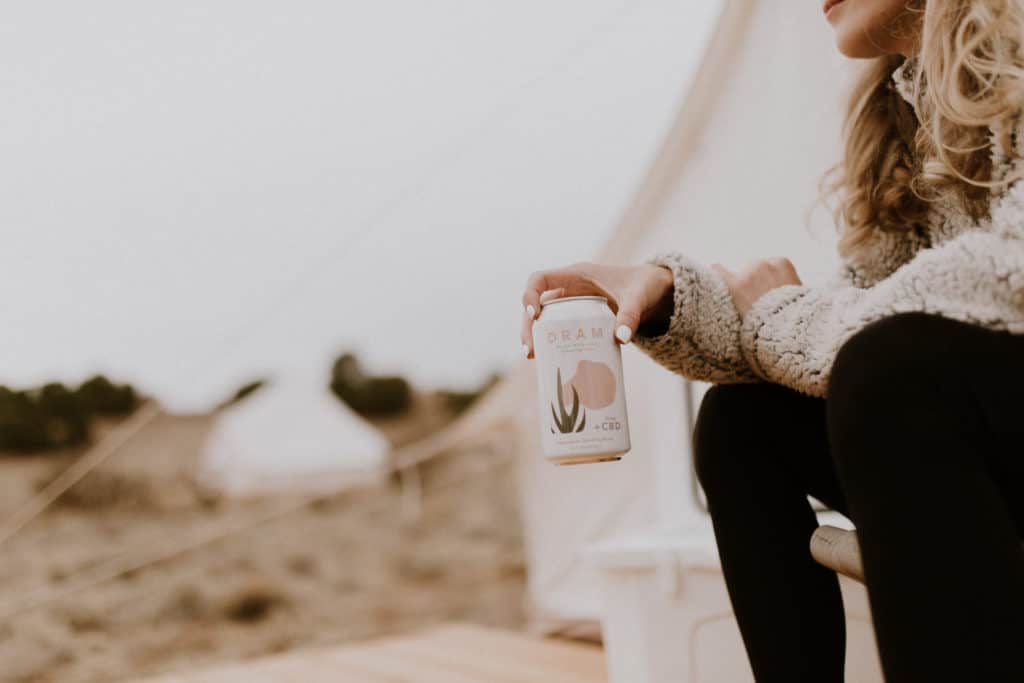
{"x": 347, "y": 568}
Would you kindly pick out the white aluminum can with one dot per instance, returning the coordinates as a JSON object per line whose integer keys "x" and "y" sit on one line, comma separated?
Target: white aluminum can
{"x": 579, "y": 381}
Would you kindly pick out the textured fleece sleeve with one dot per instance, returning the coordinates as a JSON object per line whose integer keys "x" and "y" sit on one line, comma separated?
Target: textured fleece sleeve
{"x": 702, "y": 339}
{"x": 792, "y": 334}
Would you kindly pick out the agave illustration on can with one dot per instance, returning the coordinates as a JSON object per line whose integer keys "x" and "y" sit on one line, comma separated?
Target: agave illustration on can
{"x": 565, "y": 422}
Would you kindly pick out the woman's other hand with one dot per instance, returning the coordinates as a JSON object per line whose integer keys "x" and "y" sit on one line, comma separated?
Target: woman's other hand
{"x": 636, "y": 294}
{"x": 760, "y": 277}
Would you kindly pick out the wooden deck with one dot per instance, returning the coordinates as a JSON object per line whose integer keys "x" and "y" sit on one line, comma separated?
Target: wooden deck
{"x": 446, "y": 654}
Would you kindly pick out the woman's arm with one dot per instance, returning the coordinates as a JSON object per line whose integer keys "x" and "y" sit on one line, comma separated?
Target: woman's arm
{"x": 792, "y": 334}
{"x": 701, "y": 338}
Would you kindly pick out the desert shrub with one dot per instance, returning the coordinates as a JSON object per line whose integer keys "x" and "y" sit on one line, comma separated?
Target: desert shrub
{"x": 99, "y": 396}
{"x": 381, "y": 396}
{"x": 371, "y": 396}
{"x": 23, "y": 427}
{"x": 251, "y": 602}
{"x": 55, "y": 416}
{"x": 67, "y": 418}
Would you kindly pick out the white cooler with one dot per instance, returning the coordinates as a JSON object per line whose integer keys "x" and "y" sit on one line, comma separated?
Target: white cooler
{"x": 666, "y": 615}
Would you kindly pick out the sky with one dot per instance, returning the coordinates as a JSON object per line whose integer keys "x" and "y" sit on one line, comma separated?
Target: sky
{"x": 195, "y": 194}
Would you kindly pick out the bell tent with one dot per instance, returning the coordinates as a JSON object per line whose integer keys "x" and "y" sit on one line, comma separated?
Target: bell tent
{"x": 293, "y": 437}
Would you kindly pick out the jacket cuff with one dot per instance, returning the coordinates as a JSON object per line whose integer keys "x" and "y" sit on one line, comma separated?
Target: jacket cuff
{"x": 756, "y": 332}
{"x": 701, "y": 339}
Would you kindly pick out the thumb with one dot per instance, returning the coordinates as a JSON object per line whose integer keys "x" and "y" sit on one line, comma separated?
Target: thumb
{"x": 631, "y": 307}
{"x": 556, "y": 293}
{"x": 732, "y": 283}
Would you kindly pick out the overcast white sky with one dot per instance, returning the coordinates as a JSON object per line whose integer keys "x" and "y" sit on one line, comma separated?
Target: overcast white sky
{"x": 195, "y": 193}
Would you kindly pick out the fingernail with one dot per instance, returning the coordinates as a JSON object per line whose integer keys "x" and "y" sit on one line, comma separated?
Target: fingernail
{"x": 530, "y": 311}
{"x": 526, "y": 351}
{"x": 624, "y": 334}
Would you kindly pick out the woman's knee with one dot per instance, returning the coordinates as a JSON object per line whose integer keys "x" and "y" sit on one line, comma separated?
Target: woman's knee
{"x": 723, "y": 429}
{"x": 887, "y": 381}
{"x": 897, "y": 352}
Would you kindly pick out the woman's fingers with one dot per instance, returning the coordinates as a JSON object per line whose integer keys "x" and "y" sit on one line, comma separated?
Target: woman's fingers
{"x": 627, "y": 319}
{"x": 584, "y": 279}
{"x": 786, "y": 269}
{"x": 556, "y": 293}
{"x": 735, "y": 286}
{"x": 756, "y": 279}
{"x": 526, "y": 334}
{"x": 540, "y": 282}
{"x": 536, "y": 286}
{"x": 543, "y": 286}
{"x": 575, "y": 280}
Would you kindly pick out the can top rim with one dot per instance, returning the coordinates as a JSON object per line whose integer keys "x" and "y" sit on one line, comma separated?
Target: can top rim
{"x": 573, "y": 298}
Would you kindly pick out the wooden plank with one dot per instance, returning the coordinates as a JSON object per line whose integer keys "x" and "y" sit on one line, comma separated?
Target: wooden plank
{"x": 446, "y": 654}
{"x": 492, "y": 661}
{"x": 385, "y": 662}
{"x": 560, "y": 656}
{"x": 476, "y": 666}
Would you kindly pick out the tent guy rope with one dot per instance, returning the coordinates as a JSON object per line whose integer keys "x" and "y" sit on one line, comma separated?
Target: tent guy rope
{"x": 92, "y": 459}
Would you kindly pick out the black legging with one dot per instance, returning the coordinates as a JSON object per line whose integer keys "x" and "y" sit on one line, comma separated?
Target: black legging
{"x": 921, "y": 444}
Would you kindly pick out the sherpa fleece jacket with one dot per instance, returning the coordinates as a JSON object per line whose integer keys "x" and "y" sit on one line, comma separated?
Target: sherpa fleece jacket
{"x": 966, "y": 270}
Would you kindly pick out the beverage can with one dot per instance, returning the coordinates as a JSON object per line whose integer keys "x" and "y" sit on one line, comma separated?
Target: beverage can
{"x": 579, "y": 381}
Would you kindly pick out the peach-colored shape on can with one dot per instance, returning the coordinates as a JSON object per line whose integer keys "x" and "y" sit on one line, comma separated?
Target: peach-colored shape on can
{"x": 595, "y": 384}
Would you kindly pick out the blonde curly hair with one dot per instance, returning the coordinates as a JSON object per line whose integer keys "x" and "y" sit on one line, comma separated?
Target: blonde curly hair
{"x": 967, "y": 89}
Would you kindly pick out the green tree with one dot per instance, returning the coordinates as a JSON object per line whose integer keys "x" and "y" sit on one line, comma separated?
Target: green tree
{"x": 23, "y": 427}
{"x": 99, "y": 396}
{"x": 67, "y": 419}
{"x": 370, "y": 396}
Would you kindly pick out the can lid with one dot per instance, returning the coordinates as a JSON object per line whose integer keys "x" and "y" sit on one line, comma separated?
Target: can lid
{"x": 573, "y": 298}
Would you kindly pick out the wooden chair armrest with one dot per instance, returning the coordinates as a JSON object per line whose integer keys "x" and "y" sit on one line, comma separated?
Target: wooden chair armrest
{"x": 837, "y": 549}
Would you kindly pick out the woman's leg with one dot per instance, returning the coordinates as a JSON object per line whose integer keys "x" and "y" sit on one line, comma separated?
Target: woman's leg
{"x": 760, "y": 450}
{"x": 926, "y": 424}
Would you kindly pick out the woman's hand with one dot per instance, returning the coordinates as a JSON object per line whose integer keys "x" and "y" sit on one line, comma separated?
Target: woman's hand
{"x": 637, "y": 294}
{"x": 758, "y": 278}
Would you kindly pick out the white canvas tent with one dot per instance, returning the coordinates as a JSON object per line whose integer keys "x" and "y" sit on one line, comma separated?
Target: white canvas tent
{"x": 291, "y": 436}
{"x": 737, "y": 178}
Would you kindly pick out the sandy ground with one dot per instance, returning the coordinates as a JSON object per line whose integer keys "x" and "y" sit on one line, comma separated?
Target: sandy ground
{"x": 350, "y": 567}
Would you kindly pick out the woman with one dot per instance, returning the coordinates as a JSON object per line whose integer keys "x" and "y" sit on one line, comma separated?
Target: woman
{"x": 892, "y": 393}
